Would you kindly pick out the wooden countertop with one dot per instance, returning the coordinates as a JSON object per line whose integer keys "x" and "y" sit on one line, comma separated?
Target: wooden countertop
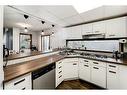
{"x": 16, "y": 70}
{"x": 22, "y": 55}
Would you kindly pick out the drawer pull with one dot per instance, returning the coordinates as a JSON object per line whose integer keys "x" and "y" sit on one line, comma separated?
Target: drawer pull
{"x": 85, "y": 61}
{"x": 60, "y": 76}
{"x": 86, "y": 65}
{"x": 97, "y": 31}
{"x": 60, "y": 67}
{"x": 60, "y": 62}
{"x": 95, "y": 68}
{"x": 74, "y": 63}
{"x": 112, "y": 66}
{"x": 23, "y": 88}
{"x": 60, "y": 72}
{"x": 112, "y": 72}
{"x": 95, "y": 63}
{"x": 112, "y": 35}
{"x": 19, "y": 81}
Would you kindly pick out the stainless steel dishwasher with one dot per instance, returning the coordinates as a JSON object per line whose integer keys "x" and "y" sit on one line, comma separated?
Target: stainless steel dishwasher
{"x": 44, "y": 78}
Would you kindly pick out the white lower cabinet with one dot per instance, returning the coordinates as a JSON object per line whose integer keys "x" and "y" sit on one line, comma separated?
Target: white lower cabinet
{"x": 123, "y": 76}
{"x": 98, "y": 75}
{"x": 112, "y": 76}
{"x": 59, "y": 72}
{"x": 85, "y": 69}
{"x": 21, "y": 83}
{"x": 71, "y": 68}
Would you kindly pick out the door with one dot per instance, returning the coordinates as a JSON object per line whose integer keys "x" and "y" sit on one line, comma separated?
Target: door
{"x": 84, "y": 69}
{"x": 116, "y": 27}
{"x": 99, "y": 27}
{"x": 87, "y": 29}
{"x": 112, "y": 76}
{"x": 98, "y": 76}
{"x": 71, "y": 70}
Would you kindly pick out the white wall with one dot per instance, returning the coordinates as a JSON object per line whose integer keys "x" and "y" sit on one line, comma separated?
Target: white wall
{"x": 56, "y": 40}
{"x": 1, "y": 47}
{"x": 16, "y": 32}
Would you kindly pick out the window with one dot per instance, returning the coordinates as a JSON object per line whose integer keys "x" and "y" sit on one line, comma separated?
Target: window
{"x": 45, "y": 43}
{"x": 25, "y": 41}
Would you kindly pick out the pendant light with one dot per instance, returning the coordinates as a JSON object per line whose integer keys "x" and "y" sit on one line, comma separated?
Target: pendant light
{"x": 25, "y": 30}
{"x": 42, "y": 32}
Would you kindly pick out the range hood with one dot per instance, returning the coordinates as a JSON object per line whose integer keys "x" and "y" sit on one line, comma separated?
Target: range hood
{"x": 93, "y": 36}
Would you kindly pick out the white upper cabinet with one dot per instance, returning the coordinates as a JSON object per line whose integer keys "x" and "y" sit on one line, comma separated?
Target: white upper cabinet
{"x": 116, "y": 27}
{"x": 99, "y": 27}
{"x": 87, "y": 29}
{"x": 74, "y": 32}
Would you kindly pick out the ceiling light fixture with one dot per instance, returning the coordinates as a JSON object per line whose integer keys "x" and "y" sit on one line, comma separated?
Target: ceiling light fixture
{"x": 42, "y": 32}
{"x": 26, "y": 16}
{"x": 42, "y": 22}
{"x": 25, "y": 30}
{"x": 53, "y": 25}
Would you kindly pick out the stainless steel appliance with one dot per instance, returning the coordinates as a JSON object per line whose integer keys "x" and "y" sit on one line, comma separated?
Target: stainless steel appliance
{"x": 44, "y": 78}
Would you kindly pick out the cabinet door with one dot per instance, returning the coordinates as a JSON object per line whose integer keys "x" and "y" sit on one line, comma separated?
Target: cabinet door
{"x": 98, "y": 76}
{"x": 112, "y": 76}
{"x": 84, "y": 70}
{"x": 87, "y": 29}
{"x": 123, "y": 76}
{"x": 116, "y": 27}
{"x": 99, "y": 27}
{"x": 71, "y": 70}
{"x": 74, "y": 32}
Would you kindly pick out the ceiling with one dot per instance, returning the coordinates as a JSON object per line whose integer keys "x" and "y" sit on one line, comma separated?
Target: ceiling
{"x": 59, "y": 15}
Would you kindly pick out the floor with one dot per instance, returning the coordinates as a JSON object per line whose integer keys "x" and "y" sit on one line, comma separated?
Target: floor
{"x": 77, "y": 84}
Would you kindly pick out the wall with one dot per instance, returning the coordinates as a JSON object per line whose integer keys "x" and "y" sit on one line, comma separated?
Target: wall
{"x": 16, "y": 32}
{"x": 56, "y": 40}
{"x": 1, "y": 47}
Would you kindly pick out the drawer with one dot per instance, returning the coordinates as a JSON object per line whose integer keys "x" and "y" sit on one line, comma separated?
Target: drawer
{"x": 71, "y": 60}
{"x": 113, "y": 67}
{"x": 85, "y": 61}
{"x": 22, "y": 83}
{"x": 98, "y": 63}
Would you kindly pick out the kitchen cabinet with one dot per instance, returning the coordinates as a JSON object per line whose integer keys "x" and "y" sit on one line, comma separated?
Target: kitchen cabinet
{"x": 70, "y": 68}
{"x": 98, "y": 74}
{"x": 116, "y": 27}
{"x": 123, "y": 76}
{"x": 74, "y": 32}
{"x": 112, "y": 76}
{"x": 85, "y": 69}
{"x": 99, "y": 27}
{"x": 59, "y": 72}
{"x": 21, "y": 83}
{"x": 87, "y": 29}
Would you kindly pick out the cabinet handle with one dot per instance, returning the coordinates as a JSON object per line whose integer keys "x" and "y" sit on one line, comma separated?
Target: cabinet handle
{"x": 60, "y": 72}
{"x": 97, "y": 31}
{"x": 112, "y": 66}
{"x": 60, "y": 76}
{"x": 112, "y": 35}
{"x": 23, "y": 88}
{"x": 95, "y": 63}
{"x": 86, "y": 65}
{"x": 59, "y": 62}
{"x": 60, "y": 67}
{"x": 85, "y": 61}
{"x": 74, "y": 63}
{"x": 95, "y": 68}
{"x": 112, "y": 72}
{"x": 19, "y": 81}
